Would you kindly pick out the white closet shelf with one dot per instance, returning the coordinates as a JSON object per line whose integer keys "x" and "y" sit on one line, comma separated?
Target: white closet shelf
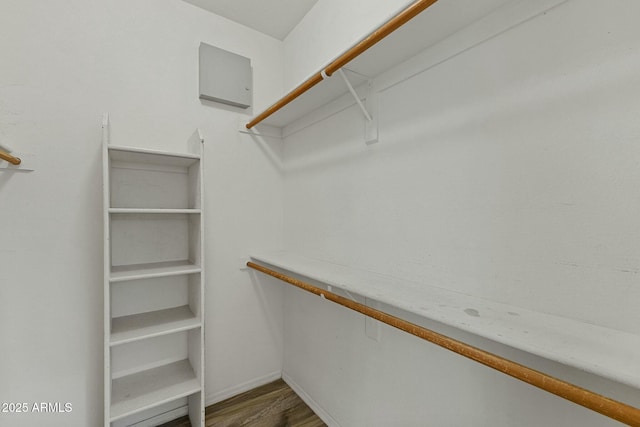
{"x": 602, "y": 351}
{"x": 158, "y": 157}
{"x": 153, "y": 211}
{"x": 147, "y": 271}
{"x": 151, "y": 388}
{"x": 136, "y": 327}
{"x": 432, "y": 25}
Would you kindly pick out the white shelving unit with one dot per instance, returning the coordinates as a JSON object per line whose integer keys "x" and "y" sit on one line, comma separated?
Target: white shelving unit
{"x": 154, "y": 283}
{"x": 602, "y": 351}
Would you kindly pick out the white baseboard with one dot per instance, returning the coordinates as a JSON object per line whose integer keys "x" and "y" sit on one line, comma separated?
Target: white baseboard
{"x": 241, "y": 388}
{"x": 315, "y": 407}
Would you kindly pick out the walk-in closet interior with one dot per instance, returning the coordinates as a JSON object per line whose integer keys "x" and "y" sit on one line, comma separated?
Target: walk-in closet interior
{"x": 383, "y": 213}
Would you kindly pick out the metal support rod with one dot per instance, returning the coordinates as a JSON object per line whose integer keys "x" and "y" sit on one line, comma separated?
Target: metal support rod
{"x": 608, "y": 407}
{"x": 355, "y": 95}
{"x": 9, "y": 158}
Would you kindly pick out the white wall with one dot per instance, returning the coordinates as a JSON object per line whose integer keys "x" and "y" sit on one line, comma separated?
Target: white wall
{"x": 63, "y": 64}
{"x": 508, "y": 172}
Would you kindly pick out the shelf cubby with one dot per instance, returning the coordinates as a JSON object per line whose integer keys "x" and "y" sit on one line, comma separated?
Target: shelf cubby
{"x": 151, "y": 372}
{"x": 148, "y": 179}
{"x": 140, "y": 239}
{"x": 153, "y": 323}
{"x": 152, "y": 307}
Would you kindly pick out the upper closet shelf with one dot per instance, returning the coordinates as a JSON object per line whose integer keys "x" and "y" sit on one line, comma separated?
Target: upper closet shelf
{"x": 602, "y": 351}
{"x": 407, "y": 33}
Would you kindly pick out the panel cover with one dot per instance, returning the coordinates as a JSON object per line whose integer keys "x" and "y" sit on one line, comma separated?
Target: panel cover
{"x": 225, "y": 77}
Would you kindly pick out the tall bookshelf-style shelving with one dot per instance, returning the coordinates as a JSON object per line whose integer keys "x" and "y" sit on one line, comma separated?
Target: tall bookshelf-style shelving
{"x": 154, "y": 284}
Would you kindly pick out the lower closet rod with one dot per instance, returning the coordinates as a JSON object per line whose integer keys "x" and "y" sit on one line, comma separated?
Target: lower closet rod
{"x": 611, "y": 408}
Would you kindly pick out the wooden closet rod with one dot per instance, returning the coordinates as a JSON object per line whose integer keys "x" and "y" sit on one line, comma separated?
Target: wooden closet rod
{"x": 9, "y": 158}
{"x": 611, "y": 408}
{"x": 380, "y": 33}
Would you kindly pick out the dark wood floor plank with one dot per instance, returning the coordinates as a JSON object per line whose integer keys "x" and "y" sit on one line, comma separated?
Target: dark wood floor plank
{"x": 272, "y": 405}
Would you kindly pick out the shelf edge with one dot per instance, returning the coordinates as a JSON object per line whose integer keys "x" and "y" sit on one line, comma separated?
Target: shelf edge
{"x": 151, "y": 151}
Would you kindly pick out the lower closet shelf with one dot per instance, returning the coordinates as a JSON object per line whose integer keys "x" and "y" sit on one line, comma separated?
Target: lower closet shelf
{"x": 605, "y": 352}
{"x": 153, "y": 387}
{"x": 152, "y": 324}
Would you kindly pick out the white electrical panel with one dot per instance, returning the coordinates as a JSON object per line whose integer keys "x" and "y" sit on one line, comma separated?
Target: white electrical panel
{"x": 225, "y": 77}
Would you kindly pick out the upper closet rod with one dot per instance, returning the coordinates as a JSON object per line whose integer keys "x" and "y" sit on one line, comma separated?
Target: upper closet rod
{"x": 611, "y": 408}
{"x": 373, "y": 38}
{"x": 9, "y": 158}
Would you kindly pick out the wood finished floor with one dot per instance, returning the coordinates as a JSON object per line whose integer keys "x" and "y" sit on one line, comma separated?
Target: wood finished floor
{"x": 272, "y": 405}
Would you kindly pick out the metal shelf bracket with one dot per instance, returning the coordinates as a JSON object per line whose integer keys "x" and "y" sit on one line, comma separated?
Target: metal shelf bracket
{"x": 369, "y": 108}
{"x": 355, "y": 95}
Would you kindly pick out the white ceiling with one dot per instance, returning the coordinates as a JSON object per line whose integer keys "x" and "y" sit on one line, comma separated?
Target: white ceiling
{"x": 273, "y": 17}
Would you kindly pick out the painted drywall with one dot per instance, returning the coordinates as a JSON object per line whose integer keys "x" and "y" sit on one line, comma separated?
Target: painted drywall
{"x": 508, "y": 172}
{"x": 64, "y": 63}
